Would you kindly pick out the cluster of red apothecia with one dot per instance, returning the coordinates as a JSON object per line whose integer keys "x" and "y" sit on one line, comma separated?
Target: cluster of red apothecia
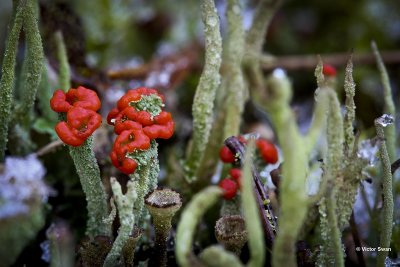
{"x": 329, "y": 70}
{"x": 135, "y": 128}
{"x": 231, "y": 184}
{"x": 81, "y": 107}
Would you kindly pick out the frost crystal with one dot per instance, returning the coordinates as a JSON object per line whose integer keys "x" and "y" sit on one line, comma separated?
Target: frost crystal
{"x": 367, "y": 150}
{"x": 385, "y": 120}
{"x": 20, "y": 182}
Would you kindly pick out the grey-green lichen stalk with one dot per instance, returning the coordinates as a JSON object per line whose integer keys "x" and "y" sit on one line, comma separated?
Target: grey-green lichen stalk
{"x": 350, "y": 115}
{"x": 389, "y": 107}
{"x": 319, "y": 113}
{"x": 126, "y": 215}
{"x": 190, "y": 218}
{"x": 352, "y": 165}
{"x": 332, "y": 245}
{"x": 203, "y": 102}
{"x": 293, "y": 193}
{"x": 146, "y": 175}
{"x": 255, "y": 38}
{"x": 8, "y": 69}
{"x": 216, "y": 256}
{"x": 96, "y": 198}
{"x": 236, "y": 93}
{"x": 251, "y": 213}
{"x": 388, "y": 205}
{"x": 64, "y": 75}
{"x": 34, "y": 60}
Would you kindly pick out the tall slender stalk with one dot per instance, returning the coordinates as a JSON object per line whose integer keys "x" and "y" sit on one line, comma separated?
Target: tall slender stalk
{"x": 388, "y": 205}
{"x": 8, "y": 76}
{"x": 64, "y": 72}
{"x": 89, "y": 174}
{"x": 389, "y": 107}
{"x": 203, "y": 103}
{"x": 33, "y": 65}
{"x": 251, "y": 213}
{"x": 236, "y": 93}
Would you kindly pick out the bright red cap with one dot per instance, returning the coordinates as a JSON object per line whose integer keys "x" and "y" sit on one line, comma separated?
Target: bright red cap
{"x": 80, "y": 124}
{"x": 226, "y": 155}
{"x": 329, "y": 70}
{"x": 268, "y": 151}
{"x": 81, "y": 97}
{"x": 229, "y": 187}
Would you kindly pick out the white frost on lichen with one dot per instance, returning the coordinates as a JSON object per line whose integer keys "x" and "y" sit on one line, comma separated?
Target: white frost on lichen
{"x": 385, "y": 120}
{"x": 21, "y": 181}
{"x": 367, "y": 151}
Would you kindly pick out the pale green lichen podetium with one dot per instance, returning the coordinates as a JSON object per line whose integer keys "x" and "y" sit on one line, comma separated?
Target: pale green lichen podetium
{"x": 96, "y": 197}
{"x": 387, "y": 222}
{"x": 352, "y": 164}
{"x": 236, "y": 93}
{"x": 389, "y": 107}
{"x": 146, "y": 176}
{"x": 188, "y": 222}
{"x": 255, "y": 38}
{"x": 319, "y": 114}
{"x": 349, "y": 117}
{"x": 217, "y": 256}
{"x": 8, "y": 76}
{"x": 251, "y": 212}
{"x": 293, "y": 193}
{"x": 33, "y": 66}
{"x": 64, "y": 73}
{"x": 126, "y": 218}
{"x": 332, "y": 247}
{"x": 203, "y": 102}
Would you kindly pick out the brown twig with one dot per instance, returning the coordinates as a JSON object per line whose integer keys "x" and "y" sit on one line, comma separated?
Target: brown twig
{"x": 296, "y": 62}
{"x": 269, "y": 222}
{"x": 48, "y": 148}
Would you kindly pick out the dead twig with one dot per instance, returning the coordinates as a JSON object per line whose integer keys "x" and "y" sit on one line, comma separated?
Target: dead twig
{"x": 267, "y": 215}
{"x": 296, "y": 62}
{"x": 49, "y": 148}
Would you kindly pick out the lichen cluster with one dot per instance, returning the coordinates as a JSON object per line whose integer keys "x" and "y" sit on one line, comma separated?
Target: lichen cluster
{"x": 294, "y": 210}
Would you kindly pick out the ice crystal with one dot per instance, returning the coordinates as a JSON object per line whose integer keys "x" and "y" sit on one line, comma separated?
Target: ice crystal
{"x": 385, "y": 120}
